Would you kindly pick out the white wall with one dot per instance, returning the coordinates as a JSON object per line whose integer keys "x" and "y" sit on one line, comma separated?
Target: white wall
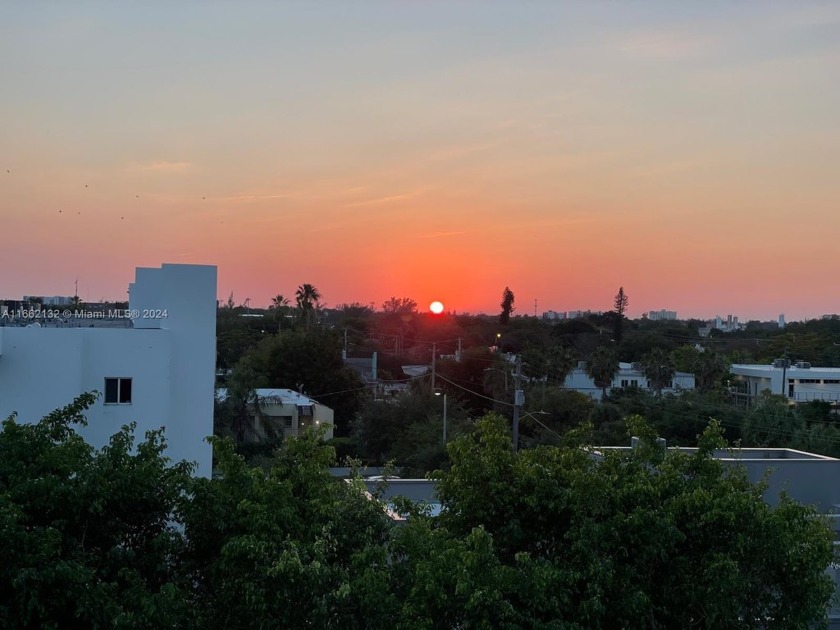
{"x": 171, "y": 362}
{"x": 579, "y": 381}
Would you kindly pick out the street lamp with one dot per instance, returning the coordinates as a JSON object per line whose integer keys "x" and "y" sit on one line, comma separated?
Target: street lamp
{"x": 438, "y": 393}
{"x": 533, "y": 416}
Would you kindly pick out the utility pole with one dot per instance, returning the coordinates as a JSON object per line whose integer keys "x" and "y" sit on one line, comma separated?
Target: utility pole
{"x": 344, "y": 354}
{"x": 785, "y": 365}
{"x": 444, "y": 418}
{"x": 518, "y": 400}
{"x": 434, "y": 356}
{"x": 458, "y": 356}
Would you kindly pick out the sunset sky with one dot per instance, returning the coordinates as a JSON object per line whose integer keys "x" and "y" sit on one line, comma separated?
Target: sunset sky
{"x": 687, "y": 151}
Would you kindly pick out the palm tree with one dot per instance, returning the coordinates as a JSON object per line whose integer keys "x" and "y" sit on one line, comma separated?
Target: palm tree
{"x": 279, "y": 305}
{"x": 307, "y": 297}
{"x": 658, "y": 368}
{"x": 602, "y": 368}
{"x": 278, "y": 302}
{"x": 561, "y": 362}
{"x": 709, "y": 368}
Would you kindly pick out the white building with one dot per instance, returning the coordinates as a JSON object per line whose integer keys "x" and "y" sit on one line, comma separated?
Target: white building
{"x": 628, "y": 375}
{"x": 289, "y": 411}
{"x": 158, "y": 372}
{"x": 798, "y": 382}
{"x": 661, "y": 315}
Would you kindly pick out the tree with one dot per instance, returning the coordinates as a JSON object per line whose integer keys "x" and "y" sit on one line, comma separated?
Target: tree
{"x": 507, "y": 306}
{"x": 709, "y": 368}
{"x": 399, "y": 305}
{"x": 560, "y": 363}
{"x": 771, "y": 423}
{"x": 90, "y": 536}
{"x": 634, "y": 538}
{"x": 307, "y": 298}
{"x": 555, "y": 363}
{"x": 408, "y": 429}
{"x": 287, "y": 547}
{"x": 279, "y": 307}
{"x": 602, "y": 368}
{"x": 658, "y": 368}
{"x": 238, "y": 416}
{"x": 308, "y": 361}
{"x": 619, "y": 308}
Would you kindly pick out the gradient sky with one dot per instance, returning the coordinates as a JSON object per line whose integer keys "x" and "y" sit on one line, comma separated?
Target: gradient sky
{"x": 687, "y": 151}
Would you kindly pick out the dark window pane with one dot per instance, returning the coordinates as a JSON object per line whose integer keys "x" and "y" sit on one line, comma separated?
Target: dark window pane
{"x": 125, "y": 390}
{"x": 111, "y": 390}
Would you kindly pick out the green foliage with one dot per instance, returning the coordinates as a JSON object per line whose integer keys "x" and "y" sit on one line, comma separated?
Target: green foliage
{"x": 308, "y": 361}
{"x": 548, "y": 537}
{"x": 771, "y": 422}
{"x": 288, "y": 547}
{"x": 408, "y": 429}
{"x": 558, "y": 411}
{"x": 620, "y": 303}
{"x": 307, "y": 298}
{"x": 640, "y": 539}
{"x": 88, "y": 536}
{"x": 658, "y": 368}
{"x": 507, "y": 306}
{"x": 602, "y": 367}
{"x": 399, "y": 305}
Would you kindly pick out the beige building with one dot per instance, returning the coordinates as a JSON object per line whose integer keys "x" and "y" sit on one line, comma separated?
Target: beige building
{"x": 289, "y": 411}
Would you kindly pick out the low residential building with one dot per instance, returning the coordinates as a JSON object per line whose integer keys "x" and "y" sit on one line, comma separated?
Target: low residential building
{"x": 288, "y": 412}
{"x": 799, "y": 382}
{"x": 628, "y": 375}
{"x": 157, "y": 370}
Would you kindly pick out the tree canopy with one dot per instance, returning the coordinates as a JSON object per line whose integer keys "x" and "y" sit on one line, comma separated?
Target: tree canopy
{"x": 547, "y": 537}
{"x": 507, "y": 306}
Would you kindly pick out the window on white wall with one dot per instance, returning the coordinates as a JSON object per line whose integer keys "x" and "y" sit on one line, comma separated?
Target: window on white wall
{"x": 117, "y": 391}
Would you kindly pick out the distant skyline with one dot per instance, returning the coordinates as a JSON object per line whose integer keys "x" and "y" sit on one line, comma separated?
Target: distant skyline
{"x": 688, "y": 152}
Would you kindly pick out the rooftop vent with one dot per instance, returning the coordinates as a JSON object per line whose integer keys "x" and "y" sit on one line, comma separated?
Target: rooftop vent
{"x": 803, "y": 365}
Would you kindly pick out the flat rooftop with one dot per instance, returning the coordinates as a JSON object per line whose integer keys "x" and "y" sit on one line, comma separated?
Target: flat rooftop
{"x": 740, "y": 455}
{"x": 755, "y": 367}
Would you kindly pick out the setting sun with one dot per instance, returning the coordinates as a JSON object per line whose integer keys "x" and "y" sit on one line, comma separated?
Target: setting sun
{"x": 436, "y": 307}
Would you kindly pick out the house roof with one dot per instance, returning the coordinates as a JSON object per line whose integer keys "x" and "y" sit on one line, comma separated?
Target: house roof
{"x": 747, "y": 369}
{"x": 285, "y": 396}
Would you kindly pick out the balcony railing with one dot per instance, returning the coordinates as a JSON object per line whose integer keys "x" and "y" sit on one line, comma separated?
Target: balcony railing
{"x": 831, "y": 396}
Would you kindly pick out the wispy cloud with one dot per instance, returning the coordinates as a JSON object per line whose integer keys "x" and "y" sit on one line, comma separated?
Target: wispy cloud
{"x": 163, "y": 166}
{"x": 381, "y": 200}
{"x": 458, "y": 151}
{"x": 441, "y": 234}
{"x": 249, "y": 197}
{"x": 666, "y": 44}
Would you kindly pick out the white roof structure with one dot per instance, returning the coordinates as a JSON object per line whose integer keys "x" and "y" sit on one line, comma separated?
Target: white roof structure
{"x": 276, "y": 396}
